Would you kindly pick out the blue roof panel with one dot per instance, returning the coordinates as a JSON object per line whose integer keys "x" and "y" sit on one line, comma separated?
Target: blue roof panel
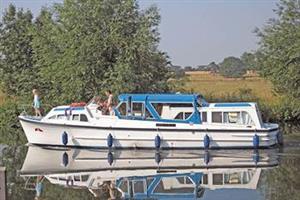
{"x": 170, "y": 98}
{"x": 232, "y": 105}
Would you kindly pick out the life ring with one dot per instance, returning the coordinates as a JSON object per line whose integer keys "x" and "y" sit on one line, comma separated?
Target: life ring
{"x": 78, "y": 104}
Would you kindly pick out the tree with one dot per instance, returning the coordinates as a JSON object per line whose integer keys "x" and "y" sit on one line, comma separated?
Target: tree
{"x": 16, "y": 64}
{"x": 280, "y": 49}
{"x": 250, "y": 60}
{"x": 188, "y": 68}
{"x": 84, "y": 47}
{"x": 232, "y": 67}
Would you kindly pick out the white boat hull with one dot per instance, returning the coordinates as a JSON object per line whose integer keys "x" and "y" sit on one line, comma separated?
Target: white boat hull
{"x": 38, "y": 132}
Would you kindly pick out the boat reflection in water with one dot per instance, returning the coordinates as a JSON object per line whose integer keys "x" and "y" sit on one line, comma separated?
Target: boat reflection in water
{"x": 174, "y": 174}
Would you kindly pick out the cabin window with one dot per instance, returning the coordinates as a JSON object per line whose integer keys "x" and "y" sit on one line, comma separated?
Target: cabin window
{"x": 232, "y": 117}
{"x": 205, "y": 179}
{"x": 184, "y": 180}
{"x": 204, "y": 116}
{"x": 183, "y": 115}
{"x": 75, "y": 117}
{"x": 148, "y": 114}
{"x": 76, "y": 178}
{"x": 173, "y": 186}
{"x": 137, "y": 109}
{"x": 233, "y": 178}
{"x": 158, "y": 107}
{"x": 187, "y": 115}
{"x": 246, "y": 119}
{"x": 85, "y": 177}
{"x": 181, "y": 105}
{"x": 83, "y": 118}
{"x": 61, "y": 117}
{"x": 139, "y": 186}
{"x": 52, "y": 117}
{"x": 217, "y": 117}
{"x": 149, "y": 181}
{"x": 122, "y": 109}
{"x": 217, "y": 179}
{"x": 124, "y": 186}
{"x": 179, "y": 115}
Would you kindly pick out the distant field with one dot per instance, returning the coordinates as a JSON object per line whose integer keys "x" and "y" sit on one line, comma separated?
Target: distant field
{"x": 216, "y": 85}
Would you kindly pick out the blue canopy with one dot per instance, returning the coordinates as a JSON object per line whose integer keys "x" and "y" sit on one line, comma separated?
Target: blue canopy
{"x": 163, "y": 98}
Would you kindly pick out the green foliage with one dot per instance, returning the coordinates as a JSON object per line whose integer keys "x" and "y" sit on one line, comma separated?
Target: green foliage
{"x": 84, "y": 47}
{"x": 16, "y": 63}
{"x": 232, "y": 67}
{"x": 13, "y": 158}
{"x": 213, "y": 67}
{"x": 280, "y": 57}
{"x": 77, "y": 49}
{"x": 280, "y": 49}
{"x": 250, "y": 60}
{"x": 10, "y": 128}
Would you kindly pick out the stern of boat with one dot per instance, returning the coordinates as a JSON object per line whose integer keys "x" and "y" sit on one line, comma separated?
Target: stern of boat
{"x": 274, "y": 134}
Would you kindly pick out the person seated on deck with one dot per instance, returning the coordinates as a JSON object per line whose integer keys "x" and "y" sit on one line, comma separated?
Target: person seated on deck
{"x": 97, "y": 100}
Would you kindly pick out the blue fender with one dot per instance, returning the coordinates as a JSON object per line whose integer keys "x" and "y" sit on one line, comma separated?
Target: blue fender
{"x": 110, "y": 140}
{"x": 64, "y": 138}
{"x": 157, "y": 157}
{"x": 206, "y": 157}
{"x": 110, "y": 158}
{"x": 256, "y": 156}
{"x": 256, "y": 141}
{"x": 65, "y": 159}
{"x": 206, "y": 141}
{"x": 157, "y": 142}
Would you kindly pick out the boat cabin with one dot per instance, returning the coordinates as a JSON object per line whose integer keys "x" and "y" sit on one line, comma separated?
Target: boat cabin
{"x": 169, "y": 108}
{"x": 160, "y": 107}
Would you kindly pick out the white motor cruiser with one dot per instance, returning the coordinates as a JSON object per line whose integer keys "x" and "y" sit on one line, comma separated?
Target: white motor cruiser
{"x": 154, "y": 121}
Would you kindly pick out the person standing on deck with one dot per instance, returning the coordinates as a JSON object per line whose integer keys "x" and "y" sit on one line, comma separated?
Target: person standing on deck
{"x": 109, "y": 101}
{"x": 36, "y": 103}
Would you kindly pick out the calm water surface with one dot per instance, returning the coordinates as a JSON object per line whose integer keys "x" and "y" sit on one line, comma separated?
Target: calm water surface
{"x": 189, "y": 174}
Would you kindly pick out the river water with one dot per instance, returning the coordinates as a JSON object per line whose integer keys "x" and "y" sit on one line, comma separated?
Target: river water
{"x": 56, "y": 173}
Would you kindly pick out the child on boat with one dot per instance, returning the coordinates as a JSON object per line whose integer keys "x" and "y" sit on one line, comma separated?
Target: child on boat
{"x": 36, "y": 103}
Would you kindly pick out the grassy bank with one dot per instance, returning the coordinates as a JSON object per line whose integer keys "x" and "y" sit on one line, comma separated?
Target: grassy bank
{"x": 218, "y": 86}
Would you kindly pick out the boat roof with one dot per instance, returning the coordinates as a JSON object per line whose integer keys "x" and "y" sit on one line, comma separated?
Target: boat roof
{"x": 170, "y": 98}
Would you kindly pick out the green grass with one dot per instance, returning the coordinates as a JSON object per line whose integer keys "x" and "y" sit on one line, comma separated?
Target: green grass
{"x": 218, "y": 86}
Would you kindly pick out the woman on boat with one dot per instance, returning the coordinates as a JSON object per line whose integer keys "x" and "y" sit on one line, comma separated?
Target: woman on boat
{"x": 36, "y": 103}
{"x": 109, "y": 102}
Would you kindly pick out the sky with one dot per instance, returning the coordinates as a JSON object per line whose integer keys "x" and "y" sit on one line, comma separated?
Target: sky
{"x": 197, "y": 32}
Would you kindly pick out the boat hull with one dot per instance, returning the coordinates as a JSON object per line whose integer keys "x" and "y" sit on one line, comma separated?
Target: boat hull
{"x": 40, "y": 133}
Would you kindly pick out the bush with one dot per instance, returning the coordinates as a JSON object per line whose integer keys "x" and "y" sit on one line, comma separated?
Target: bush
{"x": 11, "y": 132}
{"x": 232, "y": 67}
